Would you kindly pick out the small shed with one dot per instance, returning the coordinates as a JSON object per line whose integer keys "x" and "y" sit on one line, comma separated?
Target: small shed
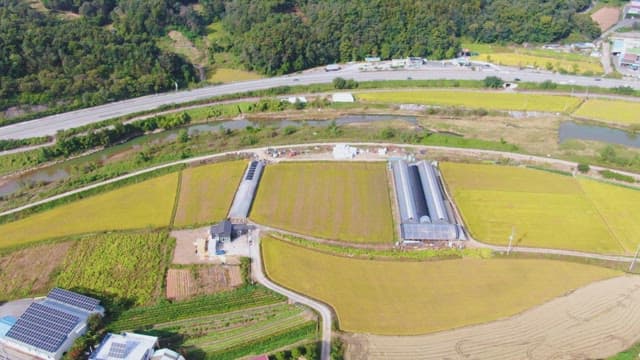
{"x": 342, "y": 98}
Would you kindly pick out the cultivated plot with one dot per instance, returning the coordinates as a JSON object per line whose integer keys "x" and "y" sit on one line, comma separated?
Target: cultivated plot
{"x": 126, "y": 268}
{"x": 206, "y": 192}
{"x": 342, "y": 201}
{"x": 593, "y": 322}
{"x": 148, "y": 204}
{"x": 476, "y": 99}
{"x": 27, "y": 272}
{"x": 224, "y": 326}
{"x": 408, "y": 298}
{"x": 619, "y": 207}
{"x": 545, "y": 209}
{"x": 611, "y": 111}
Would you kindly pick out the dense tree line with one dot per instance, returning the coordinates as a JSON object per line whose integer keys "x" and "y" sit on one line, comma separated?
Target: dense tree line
{"x": 45, "y": 60}
{"x": 279, "y": 36}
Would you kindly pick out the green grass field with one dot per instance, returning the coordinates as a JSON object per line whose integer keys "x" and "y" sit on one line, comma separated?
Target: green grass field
{"x": 148, "y": 204}
{"x": 341, "y": 201}
{"x": 547, "y": 210}
{"x": 611, "y": 111}
{"x": 408, "y": 298}
{"x": 125, "y": 268}
{"x": 476, "y": 99}
{"x": 206, "y": 192}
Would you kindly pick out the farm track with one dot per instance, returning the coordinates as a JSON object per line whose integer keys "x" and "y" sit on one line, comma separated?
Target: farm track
{"x": 595, "y": 321}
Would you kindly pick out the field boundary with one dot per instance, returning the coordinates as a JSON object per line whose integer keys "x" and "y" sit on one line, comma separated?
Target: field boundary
{"x": 176, "y": 199}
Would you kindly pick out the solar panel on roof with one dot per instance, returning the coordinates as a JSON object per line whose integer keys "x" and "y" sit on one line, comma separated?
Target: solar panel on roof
{"x": 252, "y": 170}
{"x": 36, "y": 336}
{"x": 73, "y": 299}
{"x": 50, "y": 318}
{"x": 118, "y": 350}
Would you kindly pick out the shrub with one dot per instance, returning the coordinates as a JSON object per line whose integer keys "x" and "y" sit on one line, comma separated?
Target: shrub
{"x": 493, "y": 82}
{"x": 548, "y": 85}
{"x": 583, "y": 168}
{"x": 608, "y": 174}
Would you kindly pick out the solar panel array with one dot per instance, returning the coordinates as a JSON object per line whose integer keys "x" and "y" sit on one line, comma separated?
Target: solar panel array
{"x": 252, "y": 170}
{"x": 43, "y": 327}
{"x": 118, "y": 350}
{"x": 73, "y": 299}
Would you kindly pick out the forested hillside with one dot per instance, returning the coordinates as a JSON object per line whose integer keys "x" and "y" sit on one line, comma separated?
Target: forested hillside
{"x": 46, "y": 60}
{"x": 279, "y": 36}
{"x": 110, "y": 50}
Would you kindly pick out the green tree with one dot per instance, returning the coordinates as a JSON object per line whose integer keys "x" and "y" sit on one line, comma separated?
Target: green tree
{"x": 493, "y": 82}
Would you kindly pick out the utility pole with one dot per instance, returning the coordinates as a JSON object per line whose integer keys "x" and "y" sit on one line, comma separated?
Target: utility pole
{"x": 635, "y": 257}
{"x": 513, "y": 233}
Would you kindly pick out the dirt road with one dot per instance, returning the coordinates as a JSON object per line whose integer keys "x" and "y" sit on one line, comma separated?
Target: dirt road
{"x": 595, "y": 321}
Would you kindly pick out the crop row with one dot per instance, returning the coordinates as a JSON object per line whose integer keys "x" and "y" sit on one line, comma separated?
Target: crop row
{"x": 218, "y": 340}
{"x": 261, "y": 345}
{"x": 225, "y": 320}
{"x": 206, "y": 305}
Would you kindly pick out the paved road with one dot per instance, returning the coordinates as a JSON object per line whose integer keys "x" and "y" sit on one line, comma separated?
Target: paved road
{"x": 262, "y": 150}
{"x": 322, "y": 309}
{"x": 49, "y": 125}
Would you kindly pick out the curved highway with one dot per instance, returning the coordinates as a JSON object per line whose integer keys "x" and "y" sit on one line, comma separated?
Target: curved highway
{"x": 433, "y": 71}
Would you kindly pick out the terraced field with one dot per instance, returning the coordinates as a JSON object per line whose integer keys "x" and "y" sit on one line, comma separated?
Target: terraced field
{"x": 547, "y": 210}
{"x": 148, "y": 204}
{"x": 409, "y": 298}
{"x": 206, "y": 192}
{"x": 343, "y": 201}
{"x": 611, "y": 111}
{"x": 593, "y": 322}
{"x": 225, "y": 326}
{"x": 476, "y": 99}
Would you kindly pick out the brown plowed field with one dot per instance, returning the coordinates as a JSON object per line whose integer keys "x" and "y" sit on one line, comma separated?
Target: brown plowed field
{"x": 606, "y": 17}
{"x": 186, "y": 283}
{"x": 28, "y": 272}
{"x": 596, "y": 321}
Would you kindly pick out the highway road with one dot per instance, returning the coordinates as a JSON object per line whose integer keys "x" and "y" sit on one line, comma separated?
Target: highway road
{"x": 432, "y": 71}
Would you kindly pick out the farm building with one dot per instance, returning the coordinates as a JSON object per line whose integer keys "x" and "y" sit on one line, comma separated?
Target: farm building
{"x": 132, "y": 346}
{"x": 342, "y": 98}
{"x": 221, "y": 231}
{"x": 425, "y": 214}
{"x": 246, "y": 192}
{"x": 296, "y": 99}
{"x": 48, "y": 327}
{"x": 634, "y": 8}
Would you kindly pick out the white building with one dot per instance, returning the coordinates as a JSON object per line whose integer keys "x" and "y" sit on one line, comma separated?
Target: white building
{"x": 166, "y": 354}
{"x": 127, "y": 346}
{"x": 296, "y": 99}
{"x": 342, "y": 98}
{"x": 48, "y": 327}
